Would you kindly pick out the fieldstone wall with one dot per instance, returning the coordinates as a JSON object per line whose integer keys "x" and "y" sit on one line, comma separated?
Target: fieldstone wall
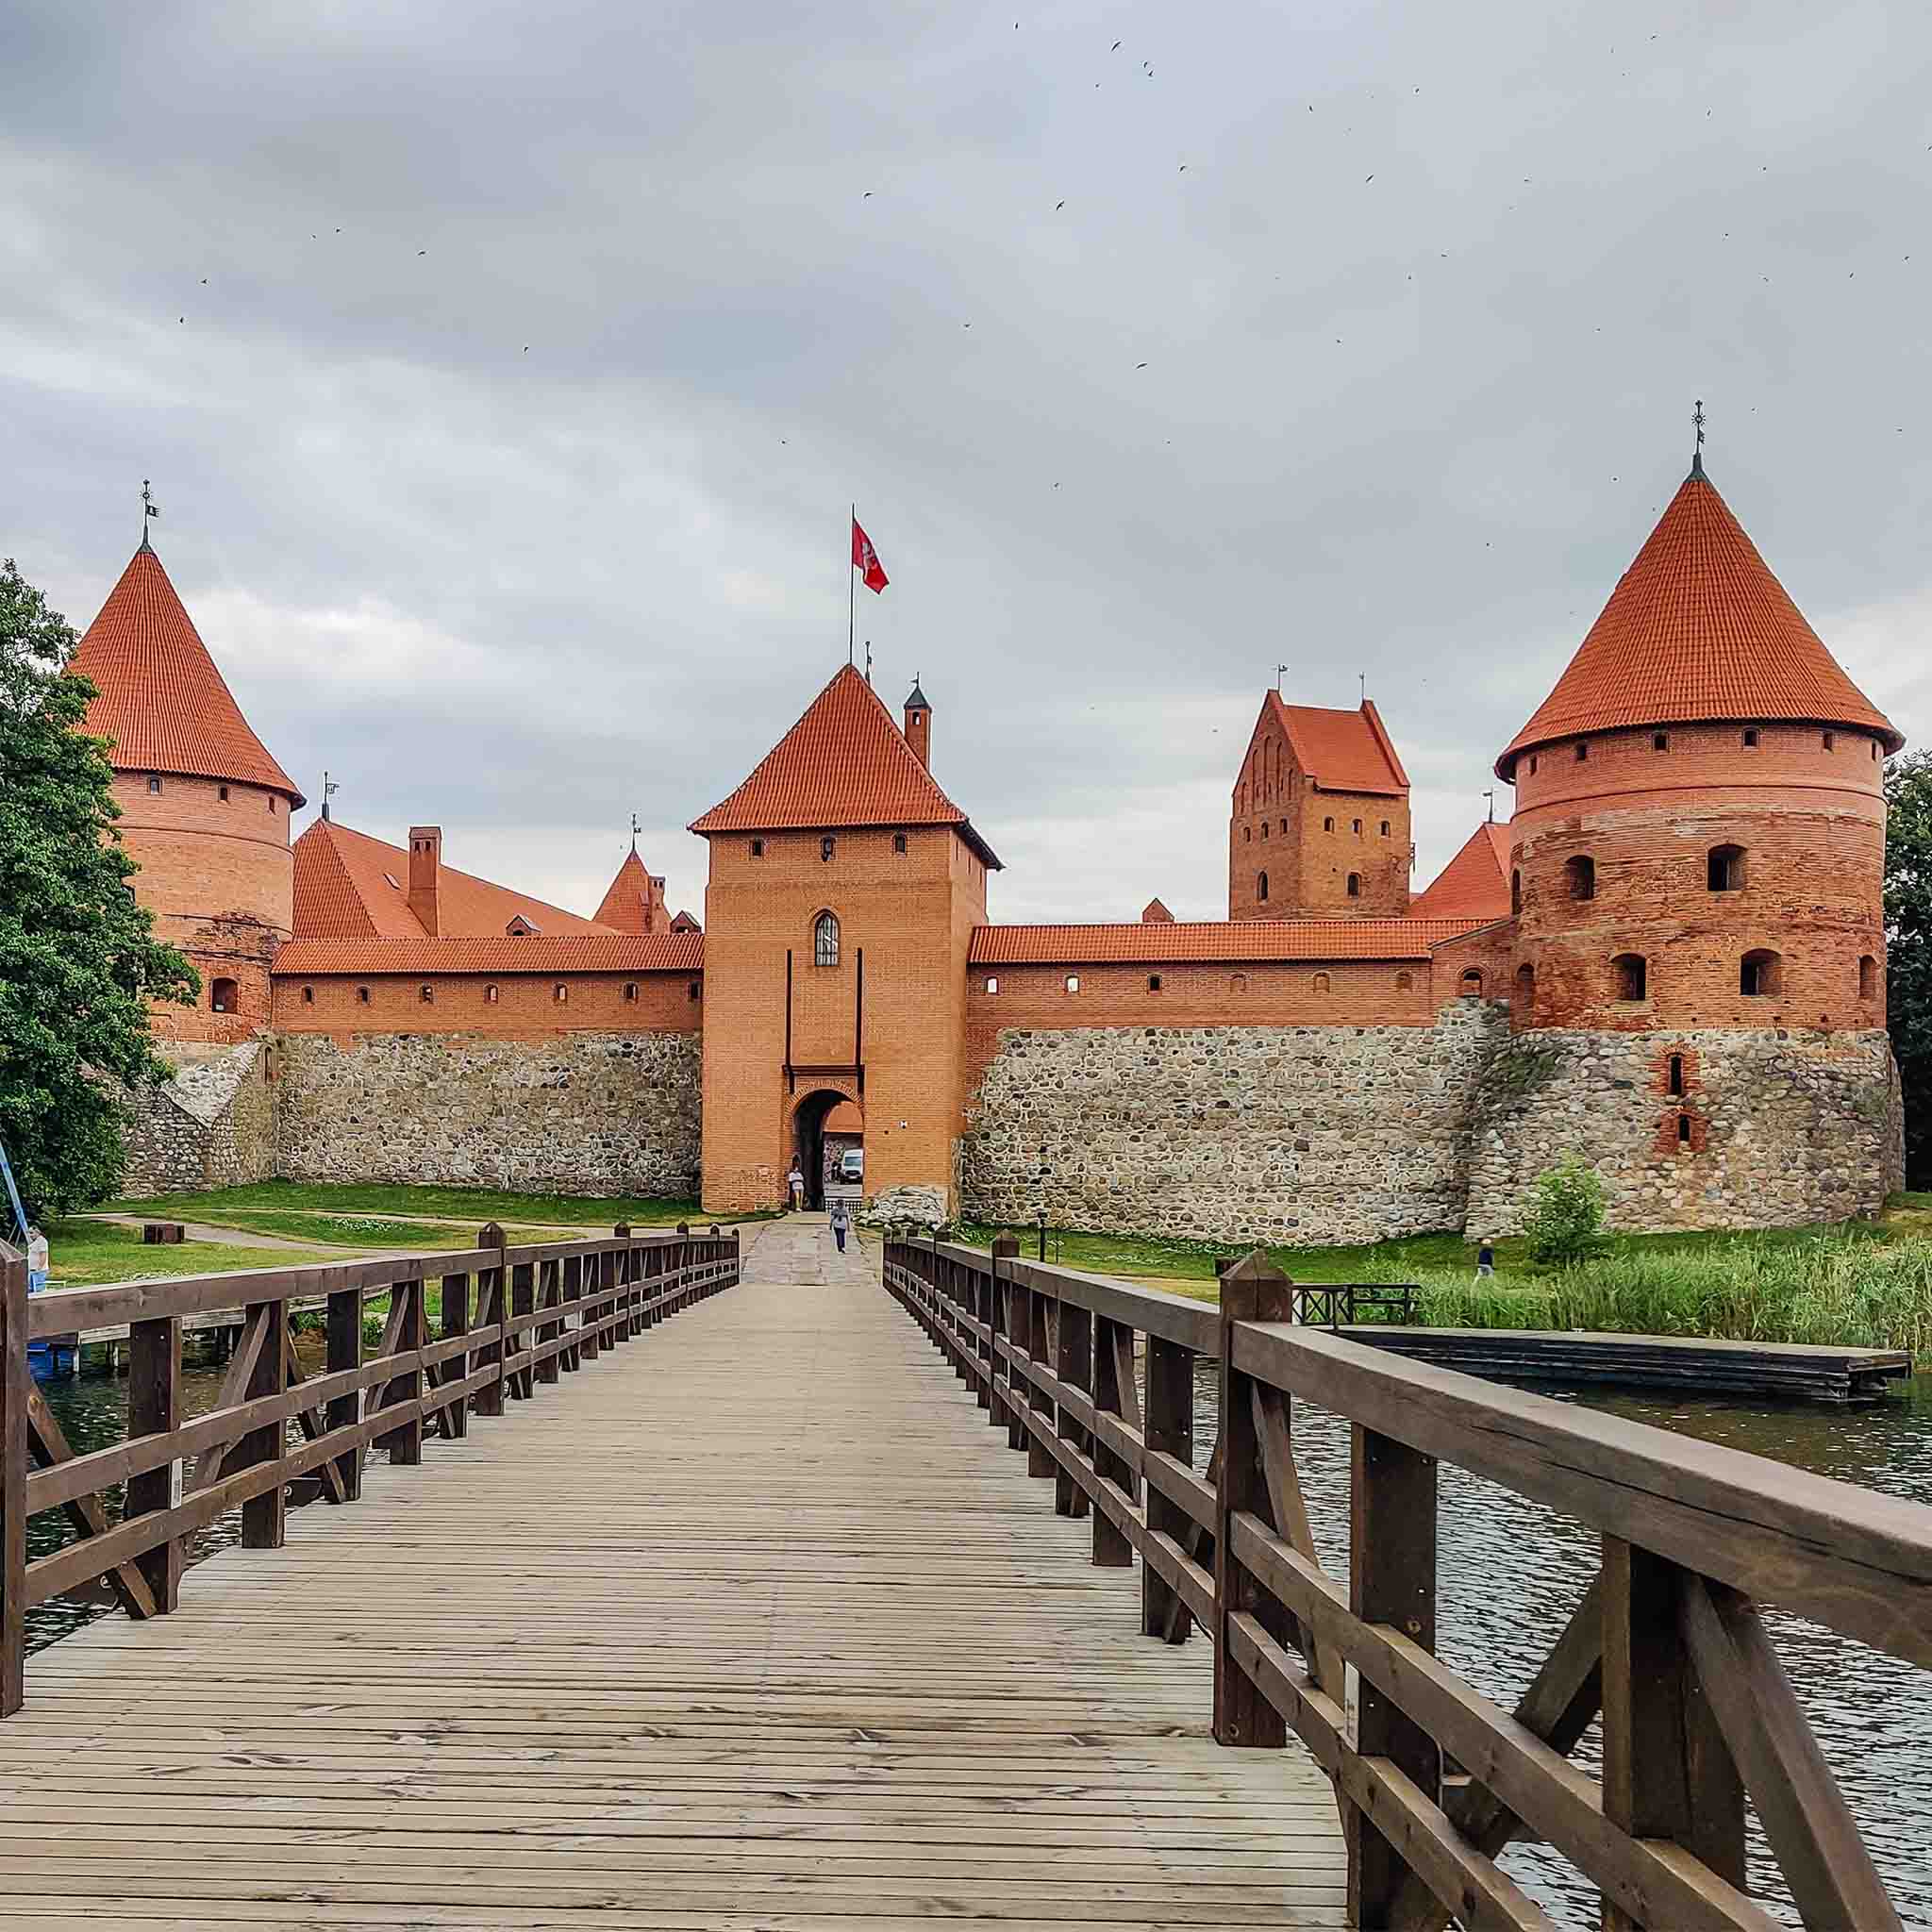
{"x": 1779, "y": 1128}
{"x": 1279, "y": 1133}
{"x": 581, "y": 1113}
{"x": 912, "y": 1202}
{"x": 212, "y": 1125}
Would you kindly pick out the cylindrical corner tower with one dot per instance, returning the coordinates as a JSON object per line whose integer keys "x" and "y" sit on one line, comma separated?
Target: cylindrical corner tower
{"x": 205, "y": 808}
{"x": 1697, "y": 872}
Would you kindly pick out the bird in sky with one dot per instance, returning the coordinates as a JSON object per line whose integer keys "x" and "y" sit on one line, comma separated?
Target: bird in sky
{"x": 1057, "y": 206}
{"x": 1115, "y": 49}
{"x": 1139, "y": 365}
{"x": 422, "y": 251}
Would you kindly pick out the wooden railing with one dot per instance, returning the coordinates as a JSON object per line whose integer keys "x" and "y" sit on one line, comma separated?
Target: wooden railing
{"x": 1342, "y": 1303}
{"x": 1432, "y": 1778}
{"x": 509, "y": 1321}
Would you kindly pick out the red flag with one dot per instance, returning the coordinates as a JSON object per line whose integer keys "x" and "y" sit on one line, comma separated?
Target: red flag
{"x": 865, "y": 559}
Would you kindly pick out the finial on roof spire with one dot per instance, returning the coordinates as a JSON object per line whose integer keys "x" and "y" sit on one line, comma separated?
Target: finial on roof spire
{"x": 148, "y": 510}
{"x": 329, "y": 789}
{"x": 634, "y": 828}
{"x": 1361, "y": 678}
{"x": 1280, "y": 672}
{"x": 1697, "y": 454}
{"x": 1491, "y": 797}
{"x": 868, "y": 661}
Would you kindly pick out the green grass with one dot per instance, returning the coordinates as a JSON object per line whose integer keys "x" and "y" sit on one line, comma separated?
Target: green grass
{"x": 472, "y": 1205}
{"x": 1858, "y": 1284}
{"x": 96, "y": 1254}
{"x": 365, "y": 1231}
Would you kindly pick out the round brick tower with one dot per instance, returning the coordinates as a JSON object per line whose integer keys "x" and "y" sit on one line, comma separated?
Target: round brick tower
{"x": 1697, "y": 856}
{"x": 205, "y": 808}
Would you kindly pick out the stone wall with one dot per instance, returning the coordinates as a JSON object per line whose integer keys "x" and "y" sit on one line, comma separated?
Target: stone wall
{"x": 1780, "y": 1127}
{"x": 212, "y": 1125}
{"x": 1283, "y": 1133}
{"x": 582, "y": 1113}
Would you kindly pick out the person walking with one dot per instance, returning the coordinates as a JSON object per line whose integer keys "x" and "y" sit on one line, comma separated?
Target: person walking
{"x": 842, "y": 1221}
{"x": 794, "y": 1182}
{"x": 1485, "y": 1260}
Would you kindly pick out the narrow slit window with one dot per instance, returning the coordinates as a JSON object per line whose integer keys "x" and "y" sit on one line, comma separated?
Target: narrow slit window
{"x": 1676, "y": 1074}
{"x": 427, "y": 995}
{"x": 1261, "y": 886}
{"x": 1683, "y": 1130}
{"x": 1354, "y": 885}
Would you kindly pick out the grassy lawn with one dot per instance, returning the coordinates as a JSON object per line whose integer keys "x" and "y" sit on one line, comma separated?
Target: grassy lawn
{"x": 276, "y": 1206}
{"x": 94, "y": 1254}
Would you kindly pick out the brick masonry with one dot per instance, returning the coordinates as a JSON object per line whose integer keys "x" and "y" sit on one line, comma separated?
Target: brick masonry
{"x": 583, "y": 1114}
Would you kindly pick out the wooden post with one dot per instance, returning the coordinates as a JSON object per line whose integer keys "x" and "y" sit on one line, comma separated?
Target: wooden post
{"x": 573, "y": 1315}
{"x": 627, "y": 1275}
{"x": 548, "y": 1329}
{"x": 453, "y": 1319}
{"x": 1667, "y": 1772}
{"x": 13, "y": 1395}
{"x": 404, "y": 1440}
{"x": 265, "y": 1518}
{"x": 1040, "y": 1325}
{"x": 1170, "y": 1431}
{"x": 1392, "y": 1565}
{"x": 492, "y": 1296}
{"x": 1252, "y": 1289}
{"x": 1073, "y": 1365}
{"x": 1005, "y": 1248}
{"x": 1114, "y": 1394}
{"x": 523, "y": 1303}
{"x": 154, "y": 1409}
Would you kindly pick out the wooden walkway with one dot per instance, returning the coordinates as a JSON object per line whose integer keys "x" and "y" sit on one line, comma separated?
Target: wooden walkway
{"x": 762, "y": 1627}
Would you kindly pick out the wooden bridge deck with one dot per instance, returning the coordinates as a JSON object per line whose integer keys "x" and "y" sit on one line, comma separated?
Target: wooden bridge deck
{"x": 762, "y": 1627}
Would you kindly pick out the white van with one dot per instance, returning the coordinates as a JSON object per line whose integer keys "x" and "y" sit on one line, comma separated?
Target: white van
{"x": 852, "y": 1166}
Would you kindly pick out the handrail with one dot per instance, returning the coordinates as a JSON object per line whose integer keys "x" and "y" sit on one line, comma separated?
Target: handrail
{"x": 539, "y": 1309}
{"x": 1432, "y": 1778}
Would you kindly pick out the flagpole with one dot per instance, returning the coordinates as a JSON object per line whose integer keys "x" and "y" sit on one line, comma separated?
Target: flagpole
{"x": 851, "y": 587}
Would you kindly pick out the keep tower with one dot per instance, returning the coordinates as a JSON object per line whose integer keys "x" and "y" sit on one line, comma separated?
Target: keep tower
{"x": 205, "y": 808}
{"x": 1699, "y": 833}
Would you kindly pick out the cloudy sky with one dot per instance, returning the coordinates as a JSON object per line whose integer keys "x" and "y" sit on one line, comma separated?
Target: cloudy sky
{"x": 505, "y": 373}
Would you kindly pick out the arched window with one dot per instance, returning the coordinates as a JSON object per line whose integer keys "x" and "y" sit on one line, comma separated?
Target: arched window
{"x": 758, "y": 848}
{"x": 1261, "y": 886}
{"x": 1357, "y": 826}
{"x": 1328, "y": 824}
{"x": 824, "y": 939}
{"x": 1683, "y": 1130}
{"x": 630, "y": 989}
{"x": 1385, "y": 828}
{"x": 992, "y": 982}
{"x": 1579, "y": 874}
{"x": 1723, "y": 869}
{"x": 827, "y": 847}
{"x": 1526, "y": 986}
{"x": 1284, "y": 827}
{"x": 1264, "y": 828}
{"x": 224, "y": 790}
{"x": 1321, "y": 982}
{"x": 1760, "y": 973}
{"x": 1154, "y": 982}
{"x": 222, "y": 996}
{"x": 560, "y": 993}
{"x": 488, "y": 995}
{"x": 1239, "y": 983}
{"x": 361, "y": 996}
{"x": 1515, "y": 892}
{"x": 899, "y": 841}
{"x": 1676, "y": 1086}
{"x": 308, "y": 995}
{"x": 1630, "y": 976}
{"x": 1073, "y": 982}
{"x": 1404, "y": 981}
{"x": 1472, "y": 982}
{"x": 1247, "y": 834}
{"x": 1868, "y": 977}
{"x": 1354, "y": 885}
{"x": 426, "y": 994}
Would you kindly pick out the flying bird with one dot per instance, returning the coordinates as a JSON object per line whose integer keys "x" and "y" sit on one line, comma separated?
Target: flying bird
{"x": 867, "y": 195}
{"x": 1139, "y": 365}
{"x": 1058, "y": 204}
{"x": 422, "y": 251}
{"x": 204, "y": 281}
{"x": 1115, "y": 49}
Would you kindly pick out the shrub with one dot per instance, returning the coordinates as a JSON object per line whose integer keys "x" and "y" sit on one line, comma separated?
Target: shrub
{"x": 1567, "y": 1224}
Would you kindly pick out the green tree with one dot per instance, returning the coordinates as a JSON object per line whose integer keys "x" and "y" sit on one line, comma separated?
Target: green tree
{"x": 1908, "y": 948}
{"x": 1567, "y": 1223}
{"x": 78, "y": 958}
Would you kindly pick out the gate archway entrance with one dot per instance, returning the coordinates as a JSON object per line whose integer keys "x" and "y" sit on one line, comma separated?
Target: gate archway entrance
{"x": 824, "y": 1125}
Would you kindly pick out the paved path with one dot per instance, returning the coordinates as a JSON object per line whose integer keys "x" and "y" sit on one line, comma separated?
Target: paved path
{"x": 754, "y": 1623}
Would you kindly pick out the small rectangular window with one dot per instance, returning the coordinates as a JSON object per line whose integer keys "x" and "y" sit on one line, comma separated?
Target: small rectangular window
{"x": 1154, "y": 982}
{"x": 560, "y": 993}
{"x": 224, "y": 790}
{"x": 1661, "y": 741}
{"x": 362, "y": 995}
{"x": 1582, "y": 753}
{"x": 827, "y": 847}
{"x": 1831, "y": 740}
{"x": 1073, "y": 982}
{"x": 993, "y": 983}
{"x": 1532, "y": 765}
{"x": 691, "y": 993}
{"x": 758, "y": 848}
{"x": 898, "y": 841}
{"x": 427, "y": 995}
{"x": 1683, "y": 1130}
{"x": 1751, "y": 740}
{"x": 630, "y": 989}
{"x": 154, "y": 786}
{"x": 308, "y": 995}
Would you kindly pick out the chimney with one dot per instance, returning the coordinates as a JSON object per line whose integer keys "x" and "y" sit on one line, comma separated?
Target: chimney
{"x": 919, "y": 726}
{"x": 655, "y": 907}
{"x": 426, "y": 874}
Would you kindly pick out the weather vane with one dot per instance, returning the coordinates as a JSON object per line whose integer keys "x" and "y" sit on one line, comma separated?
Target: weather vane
{"x": 1280, "y": 672}
{"x": 147, "y": 508}
{"x": 1697, "y": 423}
{"x": 1491, "y": 797}
{"x": 329, "y": 789}
{"x": 868, "y": 661}
{"x": 636, "y": 826}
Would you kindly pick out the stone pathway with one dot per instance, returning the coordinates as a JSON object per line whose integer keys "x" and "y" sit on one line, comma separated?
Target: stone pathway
{"x": 799, "y": 1248}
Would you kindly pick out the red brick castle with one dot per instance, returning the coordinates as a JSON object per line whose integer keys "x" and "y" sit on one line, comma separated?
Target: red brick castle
{"x": 1672, "y": 958}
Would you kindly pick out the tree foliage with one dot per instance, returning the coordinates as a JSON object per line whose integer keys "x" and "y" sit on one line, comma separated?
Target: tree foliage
{"x": 78, "y": 958}
{"x": 1566, "y": 1224}
{"x": 1908, "y": 948}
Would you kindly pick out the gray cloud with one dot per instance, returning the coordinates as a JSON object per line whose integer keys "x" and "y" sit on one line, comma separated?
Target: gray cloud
{"x": 1410, "y": 428}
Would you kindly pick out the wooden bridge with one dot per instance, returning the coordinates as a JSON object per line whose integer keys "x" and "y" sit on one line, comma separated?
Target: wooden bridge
{"x": 699, "y": 1588}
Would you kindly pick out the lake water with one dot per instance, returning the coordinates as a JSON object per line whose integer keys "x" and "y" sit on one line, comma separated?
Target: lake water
{"x": 1511, "y": 1573}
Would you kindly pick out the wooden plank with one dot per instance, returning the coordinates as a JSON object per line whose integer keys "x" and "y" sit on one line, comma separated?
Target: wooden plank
{"x": 14, "y": 1384}
{"x": 154, "y": 1409}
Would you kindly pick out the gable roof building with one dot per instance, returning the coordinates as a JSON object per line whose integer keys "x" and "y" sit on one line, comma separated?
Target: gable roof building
{"x": 1475, "y": 883}
{"x": 1342, "y": 751}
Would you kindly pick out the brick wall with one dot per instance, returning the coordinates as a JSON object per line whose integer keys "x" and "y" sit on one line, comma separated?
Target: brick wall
{"x": 216, "y": 874}
{"x": 508, "y": 1006}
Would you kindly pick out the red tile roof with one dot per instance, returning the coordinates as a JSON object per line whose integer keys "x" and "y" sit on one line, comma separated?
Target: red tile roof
{"x": 160, "y": 698}
{"x": 1342, "y": 751}
{"x": 344, "y": 890}
{"x": 578, "y": 952}
{"x": 1474, "y": 884}
{"x": 1698, "y": 628}
{"x": 1237, "y": 938}
{"x": 846, "y": 762}
{"x": 623, "y": 907}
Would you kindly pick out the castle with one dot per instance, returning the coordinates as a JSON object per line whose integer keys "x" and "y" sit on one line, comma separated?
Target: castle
{"x": 1670, "y": 959}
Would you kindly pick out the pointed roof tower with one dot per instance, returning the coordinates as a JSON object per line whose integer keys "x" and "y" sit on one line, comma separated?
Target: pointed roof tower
{"x": 844, "y": 763}
{"x": 1698, "y": 630}
{"x": 160, "y": 698}
{"x": 1474, "y": 884}
{"x": 633, "y": 900}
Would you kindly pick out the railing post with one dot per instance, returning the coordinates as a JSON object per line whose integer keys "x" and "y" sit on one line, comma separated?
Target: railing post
{"x": 573, "y": 1315}
{"x": 14, "y": 1394}
{"x": 493, "y": 1300}
{"x": 453, "y": 1319}
{"x": 265, "y": 1518}
{"x": 1252, "y": 1289}
{"x": 1392, "y": 1565}
{"x": 1040, "y": 1327}
{"x": 523, "y": 1327}
{"x": 549, "y": 1304}
{"x": 154, "y": 1409}
{"x": 1170, "y": 1431}
{"x": 1114, "y": 1394}
{"x": 405, "y": 1442}
{"x": 1005, "y": 1248}
{"x": 626, "y": 1279}
{"x": 1667, "y": 1771}
{"x": 1073, "y": 1365}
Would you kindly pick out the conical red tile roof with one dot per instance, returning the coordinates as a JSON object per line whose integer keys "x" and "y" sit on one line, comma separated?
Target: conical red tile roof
{"x": 623, "y": 907}
{"x": 1698, "y": 630}
{"x": 160, "y": 698}
{"x": 1474, "y": 884}
{"x": 846, "y": 762}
